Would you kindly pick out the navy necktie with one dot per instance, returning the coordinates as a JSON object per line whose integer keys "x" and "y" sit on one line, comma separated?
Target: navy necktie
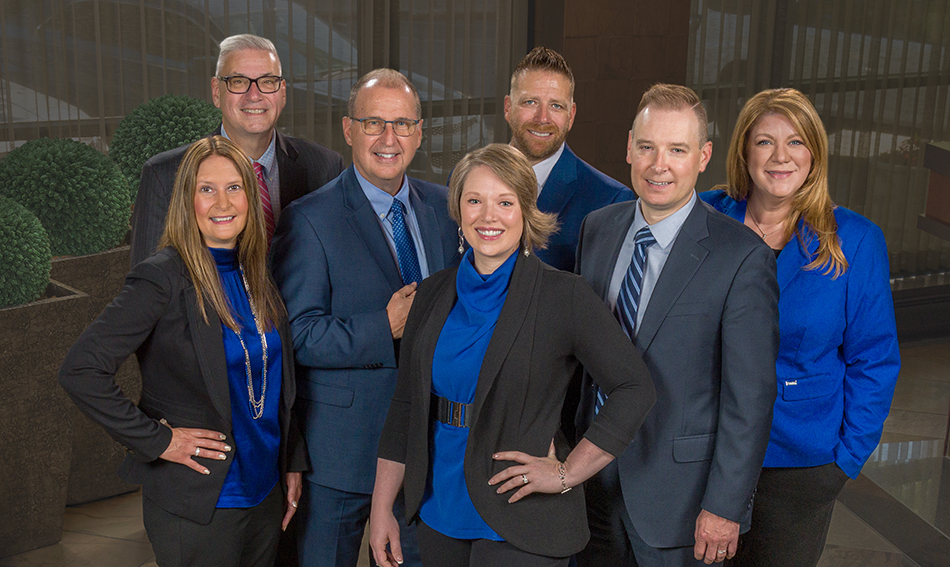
{"x": 628, "y": 300}
{"x": 405, "y": 249}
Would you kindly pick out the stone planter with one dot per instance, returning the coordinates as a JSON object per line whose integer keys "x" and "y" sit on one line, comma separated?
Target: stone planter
{"x": 95, "y": 455}
{"x": 35, "y": 424}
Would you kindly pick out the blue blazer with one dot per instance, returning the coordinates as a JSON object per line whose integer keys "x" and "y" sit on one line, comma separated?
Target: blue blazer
{"x": 838, "y": 358}
{"x": 573, "y": 190}
{"x": 337, "y": 273}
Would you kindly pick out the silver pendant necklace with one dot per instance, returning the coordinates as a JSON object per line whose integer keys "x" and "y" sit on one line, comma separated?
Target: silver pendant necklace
{"x": 256, "y": 406}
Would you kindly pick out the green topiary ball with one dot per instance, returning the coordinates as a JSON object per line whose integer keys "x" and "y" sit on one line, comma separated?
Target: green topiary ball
{"x": 159, "y": 125}
{"x": 78, "y": 194}
{"x": 24, "y": 255}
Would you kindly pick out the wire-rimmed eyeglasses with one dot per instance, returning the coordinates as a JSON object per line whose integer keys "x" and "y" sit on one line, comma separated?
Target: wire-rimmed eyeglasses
{"x": 373, "y": 126}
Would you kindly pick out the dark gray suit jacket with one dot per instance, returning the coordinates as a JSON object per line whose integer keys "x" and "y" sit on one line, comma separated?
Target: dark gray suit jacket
{"x": 184, "y": 381}
{"x": 709, "y": 337}
{"x": 337, "y": 273}
{"x": 303, "y": 167}
{"x": 550, "y": 323}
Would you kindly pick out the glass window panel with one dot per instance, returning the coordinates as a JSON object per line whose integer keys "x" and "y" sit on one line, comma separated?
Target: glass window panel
{"x": 879, "y": 74}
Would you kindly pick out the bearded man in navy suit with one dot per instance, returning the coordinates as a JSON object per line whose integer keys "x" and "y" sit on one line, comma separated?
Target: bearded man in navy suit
{"x": 347, "y": 259}
{"x": 540, "y": 110}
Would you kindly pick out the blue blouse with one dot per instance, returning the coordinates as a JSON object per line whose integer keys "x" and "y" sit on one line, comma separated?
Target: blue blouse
{"x": 446, "y": 505}
{"x": 255, "y": 442}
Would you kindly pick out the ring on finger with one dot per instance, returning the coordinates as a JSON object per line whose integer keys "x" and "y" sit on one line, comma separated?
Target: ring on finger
{"x": 721, "y": 551}
{"x": 524, "y": 478}
{"x": 197, "y": 450}
{"x": 293, "y": 503}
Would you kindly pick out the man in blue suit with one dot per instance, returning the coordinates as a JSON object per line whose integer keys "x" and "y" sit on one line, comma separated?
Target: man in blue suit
{"x": 540, "y": 110}
{"x": 347, "y": 260}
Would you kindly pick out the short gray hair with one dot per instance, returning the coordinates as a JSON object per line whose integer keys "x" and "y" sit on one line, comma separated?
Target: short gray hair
{"x": 241, "y": 42}
{"x": 387, "y": 78}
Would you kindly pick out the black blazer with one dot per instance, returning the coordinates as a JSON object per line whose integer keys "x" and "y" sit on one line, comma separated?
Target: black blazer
{"x": 551, "y": 322}
{"x": 184, "y": 381}
{"x": 303, "y": 167}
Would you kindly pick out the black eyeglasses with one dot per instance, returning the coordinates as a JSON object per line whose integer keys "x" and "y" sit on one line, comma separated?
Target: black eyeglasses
{"x": 239, "y": 84}
{"x": 375, "y": 126}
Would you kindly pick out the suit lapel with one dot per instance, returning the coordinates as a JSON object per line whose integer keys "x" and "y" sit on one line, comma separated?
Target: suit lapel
{"x": 615, "y": 231}
{"x": 685, "y": 258}
{"x": 364, "y": 222}
{"x": 429, "y": 227}
{"x": 514, "y": 314}
{"x": 560, "y": 186}
{"x": 209, "y": 349}
{"x": 293, "y": 177}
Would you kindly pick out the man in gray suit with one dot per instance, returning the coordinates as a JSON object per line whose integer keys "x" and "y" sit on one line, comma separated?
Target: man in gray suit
{"x": 696, "y": 291}
{"x": 250, "y": 92}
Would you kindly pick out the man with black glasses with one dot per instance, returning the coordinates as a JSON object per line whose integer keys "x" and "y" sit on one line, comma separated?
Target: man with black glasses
{"x": 347, "y": 260}
{"x": 250, "y": 92}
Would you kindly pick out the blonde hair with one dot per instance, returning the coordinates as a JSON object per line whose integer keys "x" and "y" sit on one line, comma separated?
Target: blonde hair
{"x": 664, "y": 96}
{"x": 182, "y": 234}
{"x": 513, "y": 169}
{"x": 812, "y": 201}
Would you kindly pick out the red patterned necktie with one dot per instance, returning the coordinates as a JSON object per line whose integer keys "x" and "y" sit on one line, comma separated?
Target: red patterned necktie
{"x": 265, "y": 201}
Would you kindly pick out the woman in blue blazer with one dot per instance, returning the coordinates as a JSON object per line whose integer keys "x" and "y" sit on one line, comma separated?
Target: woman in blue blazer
{"x": 211, "y": 441}
{"x": 838, "y": 357}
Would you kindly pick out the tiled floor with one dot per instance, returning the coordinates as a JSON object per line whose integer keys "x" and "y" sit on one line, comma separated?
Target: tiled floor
{"x": 907, "y": 470}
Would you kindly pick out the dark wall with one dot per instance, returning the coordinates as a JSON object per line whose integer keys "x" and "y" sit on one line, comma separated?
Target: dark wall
{"x": 616, "y": 49}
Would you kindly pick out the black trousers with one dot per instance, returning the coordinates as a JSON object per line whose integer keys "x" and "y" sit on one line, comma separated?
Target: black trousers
{"x": 791, "y": 514}
{"x": 438, "y": 550}
{"x": 235, "y": 537}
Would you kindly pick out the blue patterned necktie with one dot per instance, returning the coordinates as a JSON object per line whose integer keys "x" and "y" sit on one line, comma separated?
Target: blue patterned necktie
{"x": 405, "y": 249}
{"x": 628, "y": 300}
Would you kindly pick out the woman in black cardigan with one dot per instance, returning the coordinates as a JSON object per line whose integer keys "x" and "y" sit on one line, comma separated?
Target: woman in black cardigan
{"x": 211, "y": 441}
{"x": 487, "y": 355}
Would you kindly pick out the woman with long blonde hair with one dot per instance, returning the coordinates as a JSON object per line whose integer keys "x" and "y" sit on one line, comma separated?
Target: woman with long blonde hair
{"x": 211, "y": 441}
{"x": 838, "y": 358}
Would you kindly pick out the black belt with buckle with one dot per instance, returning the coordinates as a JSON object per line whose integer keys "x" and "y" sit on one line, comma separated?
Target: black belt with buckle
{"x": 451, "y": 413}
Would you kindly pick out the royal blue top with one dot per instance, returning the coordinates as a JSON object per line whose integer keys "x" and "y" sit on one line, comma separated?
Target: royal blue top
{"x": 446, "y": 505}
{"x": 838, "y": 358}
{"x": 255, "y": 442}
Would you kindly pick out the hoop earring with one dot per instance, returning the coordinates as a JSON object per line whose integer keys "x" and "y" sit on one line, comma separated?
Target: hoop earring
{"x": 461, "y": 242}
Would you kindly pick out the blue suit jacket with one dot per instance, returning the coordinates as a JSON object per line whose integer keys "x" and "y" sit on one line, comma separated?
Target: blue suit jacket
{"x": 573, "y": 190}
{"x": 337, "y": 273}
{"x": 838, "y": 360}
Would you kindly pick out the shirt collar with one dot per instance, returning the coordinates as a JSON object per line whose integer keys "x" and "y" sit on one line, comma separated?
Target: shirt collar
{"x": 268, "y": 158}
{"x": 380, "y": 200}
{"x": 542, "y": 169}
{"x": 666, "y": 230}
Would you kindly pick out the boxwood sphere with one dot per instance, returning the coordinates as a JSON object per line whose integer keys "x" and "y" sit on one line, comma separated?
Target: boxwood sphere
{"x": 24, "y": 255}
{"x": 77, "y": 193}
{"x": 161, "y": 124}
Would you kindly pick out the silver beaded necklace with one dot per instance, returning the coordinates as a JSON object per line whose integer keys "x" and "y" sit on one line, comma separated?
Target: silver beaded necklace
{"x": 256, "y": 407}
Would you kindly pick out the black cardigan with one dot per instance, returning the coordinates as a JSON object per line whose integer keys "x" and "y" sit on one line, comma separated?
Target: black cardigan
{"x": 550, "y": 323}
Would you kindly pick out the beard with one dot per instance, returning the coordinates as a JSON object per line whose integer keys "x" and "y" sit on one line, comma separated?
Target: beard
{"x": 534, "y": 149}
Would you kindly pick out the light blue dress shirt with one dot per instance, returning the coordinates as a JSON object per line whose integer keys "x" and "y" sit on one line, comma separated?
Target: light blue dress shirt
{"x": 665, "y": 233}
{"x": 382, "y": 202}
